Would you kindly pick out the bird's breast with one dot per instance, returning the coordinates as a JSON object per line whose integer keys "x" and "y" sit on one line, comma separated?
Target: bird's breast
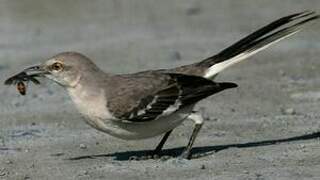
{"x": 90, "y": 103}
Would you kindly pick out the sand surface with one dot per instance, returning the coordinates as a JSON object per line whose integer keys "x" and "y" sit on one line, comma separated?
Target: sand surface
{"x": 267, "y": 128}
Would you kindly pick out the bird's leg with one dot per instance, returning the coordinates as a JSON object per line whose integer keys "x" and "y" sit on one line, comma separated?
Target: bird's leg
{"x": 160, "y": 145}
{"x": 197, "y": 118}
{"x": 155, "y": 154}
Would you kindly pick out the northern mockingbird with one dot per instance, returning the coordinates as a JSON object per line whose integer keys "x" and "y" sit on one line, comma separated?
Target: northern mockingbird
{"x": 154, "y": 102}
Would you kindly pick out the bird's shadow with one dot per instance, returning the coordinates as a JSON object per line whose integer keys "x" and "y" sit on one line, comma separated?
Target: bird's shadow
{"x": 199, "y": 151}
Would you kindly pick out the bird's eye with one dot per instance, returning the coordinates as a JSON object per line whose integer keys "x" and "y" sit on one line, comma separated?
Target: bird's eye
{"x": 57, "y": 66}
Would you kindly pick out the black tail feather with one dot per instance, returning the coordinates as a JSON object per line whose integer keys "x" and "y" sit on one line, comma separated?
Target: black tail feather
{"x": 262, "y": 37}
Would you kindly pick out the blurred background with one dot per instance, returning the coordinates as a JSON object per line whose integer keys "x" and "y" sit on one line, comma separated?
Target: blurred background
{"x": 129, "y": 36}
{"x": 278, "y": 94}
{"x": 124, "y": 36}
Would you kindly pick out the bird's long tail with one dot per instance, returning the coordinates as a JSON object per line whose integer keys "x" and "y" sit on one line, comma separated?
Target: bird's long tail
{"x": 255, "y": 42}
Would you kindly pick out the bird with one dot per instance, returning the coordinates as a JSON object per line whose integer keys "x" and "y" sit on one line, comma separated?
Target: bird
{"x": 154, "y": 102}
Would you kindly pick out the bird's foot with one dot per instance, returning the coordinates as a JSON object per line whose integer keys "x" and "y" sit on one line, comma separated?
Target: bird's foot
{"x": 185, "y": 155}
{"x": 152, "y": 155}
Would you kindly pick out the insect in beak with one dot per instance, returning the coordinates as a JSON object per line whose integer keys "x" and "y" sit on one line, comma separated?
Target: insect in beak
{"x": 21, "y": 87}
{"x": 28, "y": 74}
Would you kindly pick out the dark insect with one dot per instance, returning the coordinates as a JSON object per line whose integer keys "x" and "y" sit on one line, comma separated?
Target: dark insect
{"x": 21, "y": 87}
{"x": 19, "y": 80}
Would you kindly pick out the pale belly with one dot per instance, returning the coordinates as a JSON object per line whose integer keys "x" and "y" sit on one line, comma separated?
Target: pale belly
{"x": 93, "y": 108}
{"x": 140, "y": 130}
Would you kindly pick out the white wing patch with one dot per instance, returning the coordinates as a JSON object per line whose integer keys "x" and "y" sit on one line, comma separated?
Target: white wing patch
{"x": 149, "y": 106}
{"x": 172, "y": 108}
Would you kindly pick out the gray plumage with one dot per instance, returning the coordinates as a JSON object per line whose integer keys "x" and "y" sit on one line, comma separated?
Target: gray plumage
{"x": 150, "y": 103}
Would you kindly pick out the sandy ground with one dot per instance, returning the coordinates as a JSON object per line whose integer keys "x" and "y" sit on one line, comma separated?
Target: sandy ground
{"x": 267, "y": 128}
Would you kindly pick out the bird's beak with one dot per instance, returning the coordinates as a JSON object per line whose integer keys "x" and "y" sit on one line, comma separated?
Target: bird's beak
{"x": 27, "y": 74}
{"x": 37, "y": 70}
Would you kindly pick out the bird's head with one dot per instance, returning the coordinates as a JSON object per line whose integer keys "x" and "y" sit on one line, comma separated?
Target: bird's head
{"x": 66, "y": 68}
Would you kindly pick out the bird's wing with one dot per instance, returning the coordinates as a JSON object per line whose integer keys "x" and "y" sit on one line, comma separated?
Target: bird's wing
{"x": 149, "y": 100}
